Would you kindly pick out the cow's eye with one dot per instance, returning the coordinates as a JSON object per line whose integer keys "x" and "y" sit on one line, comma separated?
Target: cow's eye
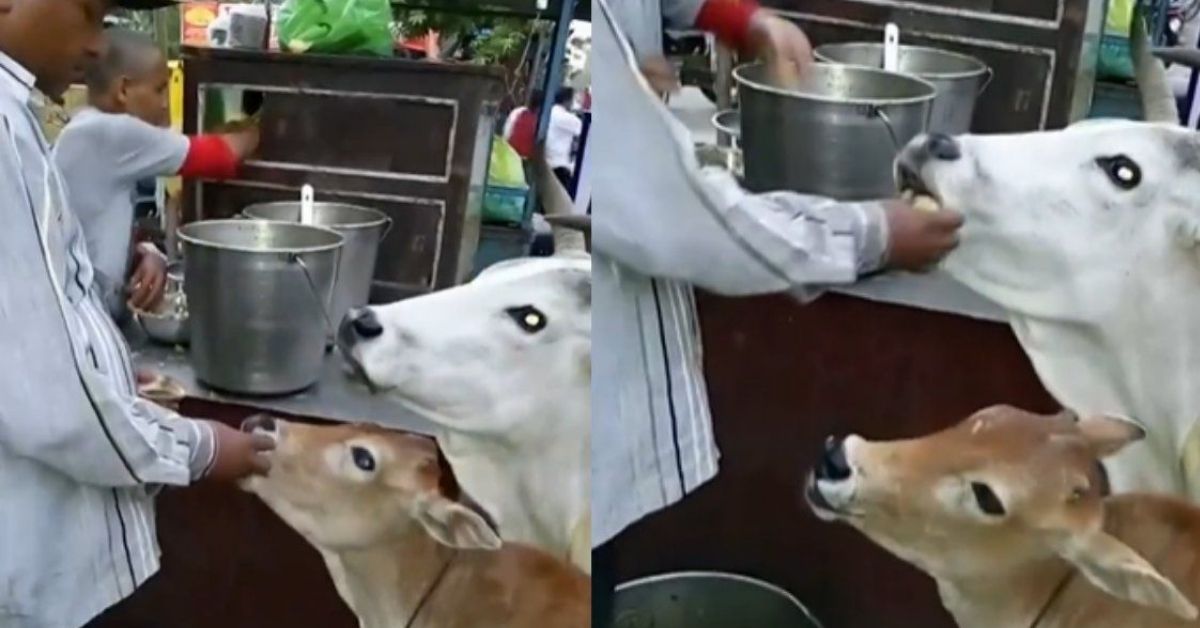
{"x": 986, "y": 499}
{"x": 1121, "y": 170}
{"x": 528, "y": 318}
{"x": 363, "y": 459}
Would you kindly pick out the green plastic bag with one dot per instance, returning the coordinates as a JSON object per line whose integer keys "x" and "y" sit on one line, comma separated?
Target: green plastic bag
{"x": 506, "y": 168}
{"x": 337, "y": 27}
{"x": 504, "y": 198}
{"x": 1116, "y": 59}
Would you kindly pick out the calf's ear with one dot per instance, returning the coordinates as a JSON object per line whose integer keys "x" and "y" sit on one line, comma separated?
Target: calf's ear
{"x": 1107, "y": 435}
{"x": 455, "y": 525}
{"x": 1116, "y": 569}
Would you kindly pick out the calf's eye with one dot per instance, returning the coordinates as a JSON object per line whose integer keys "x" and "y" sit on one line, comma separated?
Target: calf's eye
{"x": 363, "y": 459}
{"x": 986, "y": 499}
{"x": 530, "y": 319}
{"x": 1121, "y": 170}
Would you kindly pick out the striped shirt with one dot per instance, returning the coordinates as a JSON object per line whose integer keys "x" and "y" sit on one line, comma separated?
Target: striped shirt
{"x": 80, "y": 455}
{"x": 662, "y": 225}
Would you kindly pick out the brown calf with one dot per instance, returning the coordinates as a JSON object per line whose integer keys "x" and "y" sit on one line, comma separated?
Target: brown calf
{"x": 403, "y": 552}
{"x": 1006, "y": 512}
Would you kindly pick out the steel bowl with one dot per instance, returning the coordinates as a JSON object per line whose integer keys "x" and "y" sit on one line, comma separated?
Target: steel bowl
{"x": 169, "y": 324}
{"x": 707, "y": 600}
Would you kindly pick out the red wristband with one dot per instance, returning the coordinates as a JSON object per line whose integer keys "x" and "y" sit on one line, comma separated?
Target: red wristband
{"x": 209, "y": 157}
{"x": 729, "y": 20}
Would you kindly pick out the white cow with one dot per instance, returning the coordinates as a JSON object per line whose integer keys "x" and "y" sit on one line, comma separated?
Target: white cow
{"x": 1088, "y": 237}
{"x": 503, "y": 366}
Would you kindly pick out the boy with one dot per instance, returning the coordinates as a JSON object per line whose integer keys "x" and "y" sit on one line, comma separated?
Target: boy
{"x": 80, "y": 455}
{"x": 126, "y": 124}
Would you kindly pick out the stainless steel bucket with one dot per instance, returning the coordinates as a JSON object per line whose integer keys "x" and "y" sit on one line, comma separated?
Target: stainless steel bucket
{"x": 707, "y": 600}
{"x": 836, "y": 135}
{"x": 363, "y": 229}
{"x": 959, "y": 78}
{"x": 258, "y": 296}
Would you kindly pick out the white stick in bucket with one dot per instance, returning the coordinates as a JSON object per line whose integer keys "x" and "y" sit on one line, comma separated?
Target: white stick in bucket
{"x": 891, "y": 48}
{"x": 306, "y": 205}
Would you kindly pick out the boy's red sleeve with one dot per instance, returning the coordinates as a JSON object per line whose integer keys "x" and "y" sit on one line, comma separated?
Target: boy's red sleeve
{"x": 729, "y": 20}
{"x": 209, "y": 157}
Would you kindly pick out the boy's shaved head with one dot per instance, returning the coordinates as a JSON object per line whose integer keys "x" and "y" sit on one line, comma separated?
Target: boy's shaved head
{"x": 129, "y": 54}
{"x": 131, "y": 77}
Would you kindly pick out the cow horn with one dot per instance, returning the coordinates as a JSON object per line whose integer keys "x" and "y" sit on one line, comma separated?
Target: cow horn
{"x": 557, "y": 204}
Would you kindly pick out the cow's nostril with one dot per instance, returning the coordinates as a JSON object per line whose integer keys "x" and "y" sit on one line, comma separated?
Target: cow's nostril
{"x": 943, "y": 147}
{"x": 833, "y": 464}
{"x": 259, "y": 423}
{"x": 366, "y": 324}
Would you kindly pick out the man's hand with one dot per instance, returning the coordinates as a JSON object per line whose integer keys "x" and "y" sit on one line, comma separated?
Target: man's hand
{"x": 661, "y": 75}
{"x": 238, "y": 454}
{"x": 149, "y": 280}
{"x": 918, "y": 239}
{"x": 783, "y": 45}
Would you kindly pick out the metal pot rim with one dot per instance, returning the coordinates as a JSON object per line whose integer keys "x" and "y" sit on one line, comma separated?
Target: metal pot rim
{"x": 381, "y": 220}
{"x": 722, "y": 126}
{"x": 980, "y": 70}
{"x": 931, "y": 90}
{"x": 192, "y": 240}
{"x": 720, "y": 575}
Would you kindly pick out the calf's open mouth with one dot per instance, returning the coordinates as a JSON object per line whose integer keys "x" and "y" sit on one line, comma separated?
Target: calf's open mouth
{"x": 913, "y": 189}
{"x": 820, "y": 505}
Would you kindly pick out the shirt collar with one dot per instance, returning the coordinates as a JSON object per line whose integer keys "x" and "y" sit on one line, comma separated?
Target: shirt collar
{"x": 15, "y": 79}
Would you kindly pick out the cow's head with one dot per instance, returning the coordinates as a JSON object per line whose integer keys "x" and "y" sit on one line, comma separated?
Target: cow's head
{"x": 489, "y": 356}
{"x": 356, "y": 486}
{"x": 1003, "y": 491}
{"x": 1053, "y": 215}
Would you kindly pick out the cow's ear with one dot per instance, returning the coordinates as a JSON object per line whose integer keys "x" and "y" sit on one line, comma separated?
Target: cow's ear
{"x": 1108, "y": 435}
{"x": 1116, "y": 569}
{"x": 454, "y": 525}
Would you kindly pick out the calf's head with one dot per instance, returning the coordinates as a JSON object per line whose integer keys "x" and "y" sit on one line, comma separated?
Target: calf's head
{"x": 1003, "y": 491}
{"x": 355, "y": 486}
{"x": 484, "y": 357}
{"x": 1054, "y": 215}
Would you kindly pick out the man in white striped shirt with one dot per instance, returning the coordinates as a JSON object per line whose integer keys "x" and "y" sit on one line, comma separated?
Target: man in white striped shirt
{"x": 81, "y": 457}
{"x": 662, "y": 225}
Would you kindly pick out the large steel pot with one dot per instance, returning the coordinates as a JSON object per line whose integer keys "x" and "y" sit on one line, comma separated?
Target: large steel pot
{"x": 958, "y": 78}
{"x": 707, "y": 600}
{"x": 363, "y": 229}
{"x": 258, "y": 295}
{"x": 835, "y": 135}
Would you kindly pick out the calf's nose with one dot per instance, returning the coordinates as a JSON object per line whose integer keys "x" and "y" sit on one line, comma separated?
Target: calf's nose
{"x": 259, "y": 423}
{"x": 833, "y": 465}
{"x": 942, "y": 147}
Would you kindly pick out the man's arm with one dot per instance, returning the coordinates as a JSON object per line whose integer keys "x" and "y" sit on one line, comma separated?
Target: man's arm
{"x": 60, "y": 406}
{"x": 144, "y": 150}
{"x": 729, "y": 20}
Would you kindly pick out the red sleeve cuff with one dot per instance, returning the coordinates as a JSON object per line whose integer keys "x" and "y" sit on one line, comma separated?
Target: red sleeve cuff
{"x": 209, "y": 157}
{"x": 728, "y": 20}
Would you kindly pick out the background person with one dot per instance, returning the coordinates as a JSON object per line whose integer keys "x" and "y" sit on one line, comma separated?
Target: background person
{"x": 122, "y": 137}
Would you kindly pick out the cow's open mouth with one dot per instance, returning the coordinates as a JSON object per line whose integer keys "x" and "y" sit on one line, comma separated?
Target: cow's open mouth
{"x": 820, "y": 504}
{"x": 913, "y": 189}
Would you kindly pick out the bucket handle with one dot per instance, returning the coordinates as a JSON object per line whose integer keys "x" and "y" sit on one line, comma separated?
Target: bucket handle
{"x": 387, "y": 229}
{"x": 312, "y": 286}
{"x": 991, "y": 74}
{"x": 887, "y": 123}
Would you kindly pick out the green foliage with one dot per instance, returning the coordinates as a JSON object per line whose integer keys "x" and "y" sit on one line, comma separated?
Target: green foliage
{"x": 483, "y": 39}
